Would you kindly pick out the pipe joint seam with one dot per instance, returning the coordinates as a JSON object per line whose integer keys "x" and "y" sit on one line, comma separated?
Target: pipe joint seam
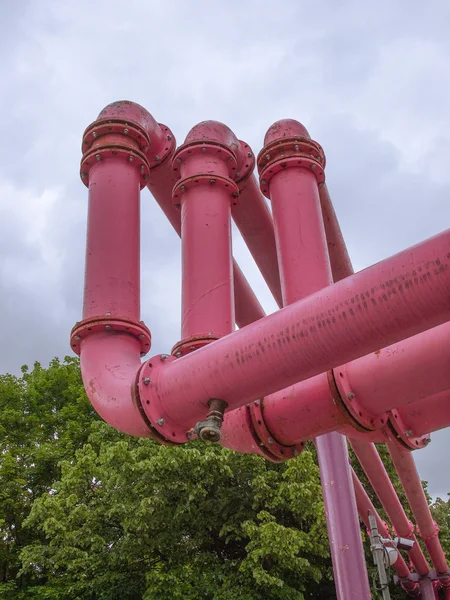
{"x": 113, "y": 325}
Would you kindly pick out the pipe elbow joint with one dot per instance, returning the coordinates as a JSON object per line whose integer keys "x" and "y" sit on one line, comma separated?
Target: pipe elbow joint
{"x": 110, "y": 352}
{"x": 126, "y": 129}
{"x": 213, "y": 132}
{"x": 287, "y": 143}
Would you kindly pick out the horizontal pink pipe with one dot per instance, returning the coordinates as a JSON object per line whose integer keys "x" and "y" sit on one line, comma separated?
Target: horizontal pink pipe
{"x": 412, "y": 369}
{"x": 394, "y": 299}
{"x": 341, "y": 265}
{"x": 379, "y": 479}
{"x": 410, "y": 375}
{"x": 365, "y": 505}
{"x": 303, "y": 411}
{"x": 162, "y": 179}
{"x": 109, "y": 363}
{"x": 428, "y": 414}
{"x": 112, "y": 276}
{"x": 253, "y": 219}
{"x": 236, "y": 432}
{"x": 410, "y": 480}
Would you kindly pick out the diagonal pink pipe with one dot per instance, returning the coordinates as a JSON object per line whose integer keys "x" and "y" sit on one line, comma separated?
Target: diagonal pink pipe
{"x": 365, "y": 505}
{"x": 428, "y": 529}
{"x": 379, "y": 479}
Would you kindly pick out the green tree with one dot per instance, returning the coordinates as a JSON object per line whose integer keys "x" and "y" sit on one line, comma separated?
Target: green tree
{"x": 44, "y": 418}
{"x": 132, "y": 519}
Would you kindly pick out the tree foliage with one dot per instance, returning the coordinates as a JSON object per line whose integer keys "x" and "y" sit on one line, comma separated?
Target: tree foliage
{"x": 87, "y": 513}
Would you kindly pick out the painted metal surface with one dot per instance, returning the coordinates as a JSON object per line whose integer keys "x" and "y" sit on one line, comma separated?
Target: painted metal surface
{"x": 304, "y": 269}
{"x": 364, "y": 356}
{"x": 353, "y": 317}
{"x": 427, "y": 528}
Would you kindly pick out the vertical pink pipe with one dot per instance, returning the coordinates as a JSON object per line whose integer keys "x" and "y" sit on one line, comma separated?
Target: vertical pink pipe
{"x": 206, "y": 191}
{"x": 379, "y": 479}
{"x": 407, "y": 472}
{"x": 111, "y": 339}
{"x": 427, "y": 589}
{"x": 305, "y": 268}
{"x": 347, "y": 552}
{"x": 112, "y": 247}
{"x": 207, "y": 280}
{"x": 162, "y": 180}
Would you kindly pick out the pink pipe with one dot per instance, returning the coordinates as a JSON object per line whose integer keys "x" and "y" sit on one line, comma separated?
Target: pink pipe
{"x": 412, "y": 369}
{"x": 407, "y": 472}
{"x": 109, "y": 363}
{"x": 358, "y": 315}
{"x": 409, "y": 375}
{"x": 111, "y": 339}
{"x": 304, "y": 269}
{"x": 207, "y": 289}
{"x": 254, "y": 221}
{"x": 347, "y": 552}
{"x": 379, "y": 479}
{"x": 161, "y": 183}
{"x": 341, "y": 265}
{"x": 427, "y": 414}
{"x": 299, "y": 227}
{"x": 247, "y": 306}
{"x": 365, "y": 505}
{"x": 112, "y": 284}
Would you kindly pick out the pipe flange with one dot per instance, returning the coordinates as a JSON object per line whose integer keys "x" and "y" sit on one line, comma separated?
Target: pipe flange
{"x": 432, "y": 536}
{"x": 101, "y": 128}
{"x": 365, "y": 420}
{"x": 192, "y": 343}
{"x": 125, "y": 152}
{"x": 110, "y": 324}
{"x": 246, "y": 163}
{"x": 290, "y": 152}
{"x": 202, "y": 179}
{"x": 154, "y": 433}
{"x": 273, "y": 450}
{"x": 206, "y": 147}
{"x": 404, "y": 434}
{"x": 156, "y": 156}
{"x": 148, "y": 395}
{"x": 409, "y": 535}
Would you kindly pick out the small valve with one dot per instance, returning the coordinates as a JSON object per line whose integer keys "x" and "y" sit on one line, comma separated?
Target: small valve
{"x": 209, "y": 430}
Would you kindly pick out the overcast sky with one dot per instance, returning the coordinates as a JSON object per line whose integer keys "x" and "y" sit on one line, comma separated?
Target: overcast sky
{"x": 369, "y": 80}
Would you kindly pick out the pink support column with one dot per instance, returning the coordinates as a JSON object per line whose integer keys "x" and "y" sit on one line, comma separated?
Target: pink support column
{"x": 427, "y": 590}
{"x": 428, "y": 529}
{"x": 347, "y": 552}
{"x": 305, "y": 268}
